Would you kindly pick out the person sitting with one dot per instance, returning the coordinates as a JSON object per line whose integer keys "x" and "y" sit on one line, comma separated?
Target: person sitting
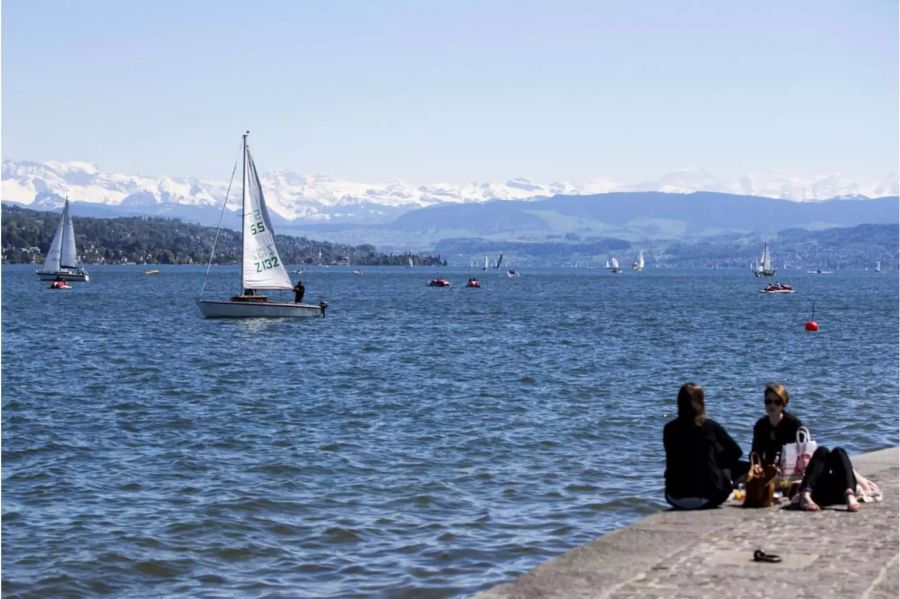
{"x": 777, "y": 428}
{"x": 299, "y": 290}
{"x": 701, "y": 457}
{"x": 829, "y": 480}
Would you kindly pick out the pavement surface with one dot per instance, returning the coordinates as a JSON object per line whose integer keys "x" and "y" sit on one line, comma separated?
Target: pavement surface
{"x": 832, "y": 553}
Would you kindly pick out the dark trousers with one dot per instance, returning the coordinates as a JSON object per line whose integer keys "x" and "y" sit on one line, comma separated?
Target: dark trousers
{"x": 828, "y": 475}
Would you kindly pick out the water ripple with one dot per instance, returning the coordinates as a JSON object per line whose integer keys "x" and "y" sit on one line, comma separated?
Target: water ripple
{"x": 418, "y": 441}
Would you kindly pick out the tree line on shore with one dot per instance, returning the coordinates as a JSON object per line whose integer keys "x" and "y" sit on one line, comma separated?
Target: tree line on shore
{"x": 26, "y": 237}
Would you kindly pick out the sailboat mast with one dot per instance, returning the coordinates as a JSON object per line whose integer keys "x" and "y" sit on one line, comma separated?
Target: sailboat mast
{"x": 243, "y": 205}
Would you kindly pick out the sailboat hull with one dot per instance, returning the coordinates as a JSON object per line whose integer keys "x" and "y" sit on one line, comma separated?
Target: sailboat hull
{"x": 78, "y": 276}
{"x": 229, "y": 309}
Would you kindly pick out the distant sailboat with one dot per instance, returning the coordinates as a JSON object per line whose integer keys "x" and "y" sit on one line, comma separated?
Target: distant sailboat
{"x": 262, "y": 268}
{"x": 485, "y": 267}
{"x": 764, "y": 268}
{"x": 878, "y": 266}
{"x": 62, "y": 261}
{"x": 614, "y": 265}
{"x": 607, "y": 265}
{"x": 499, "y": 261}
{"x": 639, "y": 265}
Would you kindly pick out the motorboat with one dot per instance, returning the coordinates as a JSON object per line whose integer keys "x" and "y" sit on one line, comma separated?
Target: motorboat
{"x": 151, "y": 271}
{"x": 60, "y": 284}
{"x": 512, "y": 273}
{"x": 818, "y": 271}
{"x": 473, "y": 283}
{"x": 357, "y": 272}
{"x": 778, "y": 288}
{"x": 439, "y": 282}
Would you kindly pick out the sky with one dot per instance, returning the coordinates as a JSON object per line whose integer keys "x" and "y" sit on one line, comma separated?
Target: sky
{"x": 457, "y": 91}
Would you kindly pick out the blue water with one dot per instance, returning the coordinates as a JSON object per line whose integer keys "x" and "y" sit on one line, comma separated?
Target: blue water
{"x": 417, "y": 440}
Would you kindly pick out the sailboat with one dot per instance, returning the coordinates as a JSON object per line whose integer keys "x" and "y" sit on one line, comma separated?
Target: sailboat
{"x": 499, "y": 261}
{"x": 764, "y": 268}
{"x": 607, "y": 265}
{"x": 261, "y": 265}
{"x": 409, "y": 263}
{"x": 639, "y": 265}
{"x": 62, "y": 261}
{"x": 614, "y": 265}
{"x": 878, "y": 266}
{"x": 485, "y": 267}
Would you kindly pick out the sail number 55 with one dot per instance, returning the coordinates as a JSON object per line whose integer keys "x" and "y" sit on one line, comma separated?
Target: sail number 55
{"x": 266, "y": 264}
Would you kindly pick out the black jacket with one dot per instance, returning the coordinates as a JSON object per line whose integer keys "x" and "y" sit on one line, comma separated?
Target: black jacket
{"x": 768, "y": 440}
{"x": 695, "y": 457}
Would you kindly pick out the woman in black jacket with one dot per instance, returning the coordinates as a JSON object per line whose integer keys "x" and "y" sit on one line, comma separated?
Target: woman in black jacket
{"x": 701, "y": 458}
{"x": 777, "y": 428}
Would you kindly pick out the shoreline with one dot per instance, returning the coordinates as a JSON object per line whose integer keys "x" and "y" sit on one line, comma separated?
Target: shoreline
{"x": 710, "y": 552}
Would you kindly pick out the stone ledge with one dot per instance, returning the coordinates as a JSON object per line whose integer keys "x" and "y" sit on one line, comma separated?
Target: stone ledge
{"x": 709, "y": 553}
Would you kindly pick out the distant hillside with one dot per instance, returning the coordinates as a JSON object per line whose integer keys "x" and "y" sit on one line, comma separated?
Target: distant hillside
{"x": 646, "y": 215}
{"x": 26, "y": 235}
{"x": 837, "y": 248}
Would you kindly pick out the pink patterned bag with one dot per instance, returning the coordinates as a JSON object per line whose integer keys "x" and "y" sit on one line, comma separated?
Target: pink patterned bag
{"x": 795, "y": 457}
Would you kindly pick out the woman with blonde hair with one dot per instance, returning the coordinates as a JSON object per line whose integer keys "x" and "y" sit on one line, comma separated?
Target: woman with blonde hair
{"x": 701, "y": 457}
{"x": 777, "y": 428}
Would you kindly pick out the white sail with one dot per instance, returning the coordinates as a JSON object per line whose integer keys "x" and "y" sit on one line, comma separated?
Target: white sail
{"x": 607, "y": 264}
{"x": 639, "y": 265}
{"x": 68, "y": 257}
{"x": 54, "y": 254}
{"x": 878, "y": 266}
{"x": 262, "y": 265}
{"x": 485, "y": 263}
{"x": 62, "y": 253}
{"x": 614, "y": 263}
{"x": 766, "y": 258}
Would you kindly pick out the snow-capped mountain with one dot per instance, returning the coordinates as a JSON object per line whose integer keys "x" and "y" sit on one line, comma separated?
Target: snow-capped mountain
{"x": 318, "y": 198}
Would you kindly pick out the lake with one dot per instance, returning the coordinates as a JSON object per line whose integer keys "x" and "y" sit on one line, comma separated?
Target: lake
{"x": 416, "y": 440}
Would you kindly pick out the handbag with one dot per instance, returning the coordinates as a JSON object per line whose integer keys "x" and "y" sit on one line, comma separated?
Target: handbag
{"x": 795, "y": 457}
{"x": 760, "y": 483}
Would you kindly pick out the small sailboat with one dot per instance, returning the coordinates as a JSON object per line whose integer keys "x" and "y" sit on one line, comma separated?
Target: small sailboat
{"x": 763, "y": 267}
{"x": 485, "y": 267}
{"x": 878, "y": 266}
{"x": 639, "y": 265}
{"x": 261, "y": 265}
{"x": 607, "y": 265}
{"x": 499, "y": 261}
{"x": 409, "y": 263}
{"x": 614, "y": 265}
{"x": 62, "y": 260}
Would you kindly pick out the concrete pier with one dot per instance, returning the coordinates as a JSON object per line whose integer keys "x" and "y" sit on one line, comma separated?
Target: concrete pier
{"x": 832, "y": 553}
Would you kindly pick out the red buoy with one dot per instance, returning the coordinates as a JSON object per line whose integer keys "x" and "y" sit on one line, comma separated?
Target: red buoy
{"x": 812, "y": 325}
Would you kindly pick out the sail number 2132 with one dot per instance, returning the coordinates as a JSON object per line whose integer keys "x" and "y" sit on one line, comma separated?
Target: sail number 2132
{"x": 266, "y": 264}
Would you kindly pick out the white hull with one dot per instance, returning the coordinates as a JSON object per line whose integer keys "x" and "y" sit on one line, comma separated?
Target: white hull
{"x": 80, "y": 276}
{"x": 229, "y": 309}
{"x": 779, "y": 291}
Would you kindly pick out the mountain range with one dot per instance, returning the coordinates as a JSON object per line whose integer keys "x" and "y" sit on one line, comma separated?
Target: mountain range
{"x": 397, "y": 217}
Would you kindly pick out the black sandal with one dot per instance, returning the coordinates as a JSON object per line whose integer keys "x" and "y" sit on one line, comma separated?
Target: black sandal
{"x": 761, "y": 556}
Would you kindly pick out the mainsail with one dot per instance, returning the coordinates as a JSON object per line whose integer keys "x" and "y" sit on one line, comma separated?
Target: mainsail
{"x": 766, "y": 258}
{"x": 262, "y": 266}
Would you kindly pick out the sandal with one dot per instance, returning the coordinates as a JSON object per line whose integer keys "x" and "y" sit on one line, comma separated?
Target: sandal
{"x": 761, "y": 556}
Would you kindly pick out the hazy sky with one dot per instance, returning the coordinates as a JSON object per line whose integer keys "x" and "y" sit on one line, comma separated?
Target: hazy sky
{"x": 455, "y": 91}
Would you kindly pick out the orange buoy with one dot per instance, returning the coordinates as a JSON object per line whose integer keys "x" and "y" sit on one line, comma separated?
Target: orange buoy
{"x": 812, "y": 325}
